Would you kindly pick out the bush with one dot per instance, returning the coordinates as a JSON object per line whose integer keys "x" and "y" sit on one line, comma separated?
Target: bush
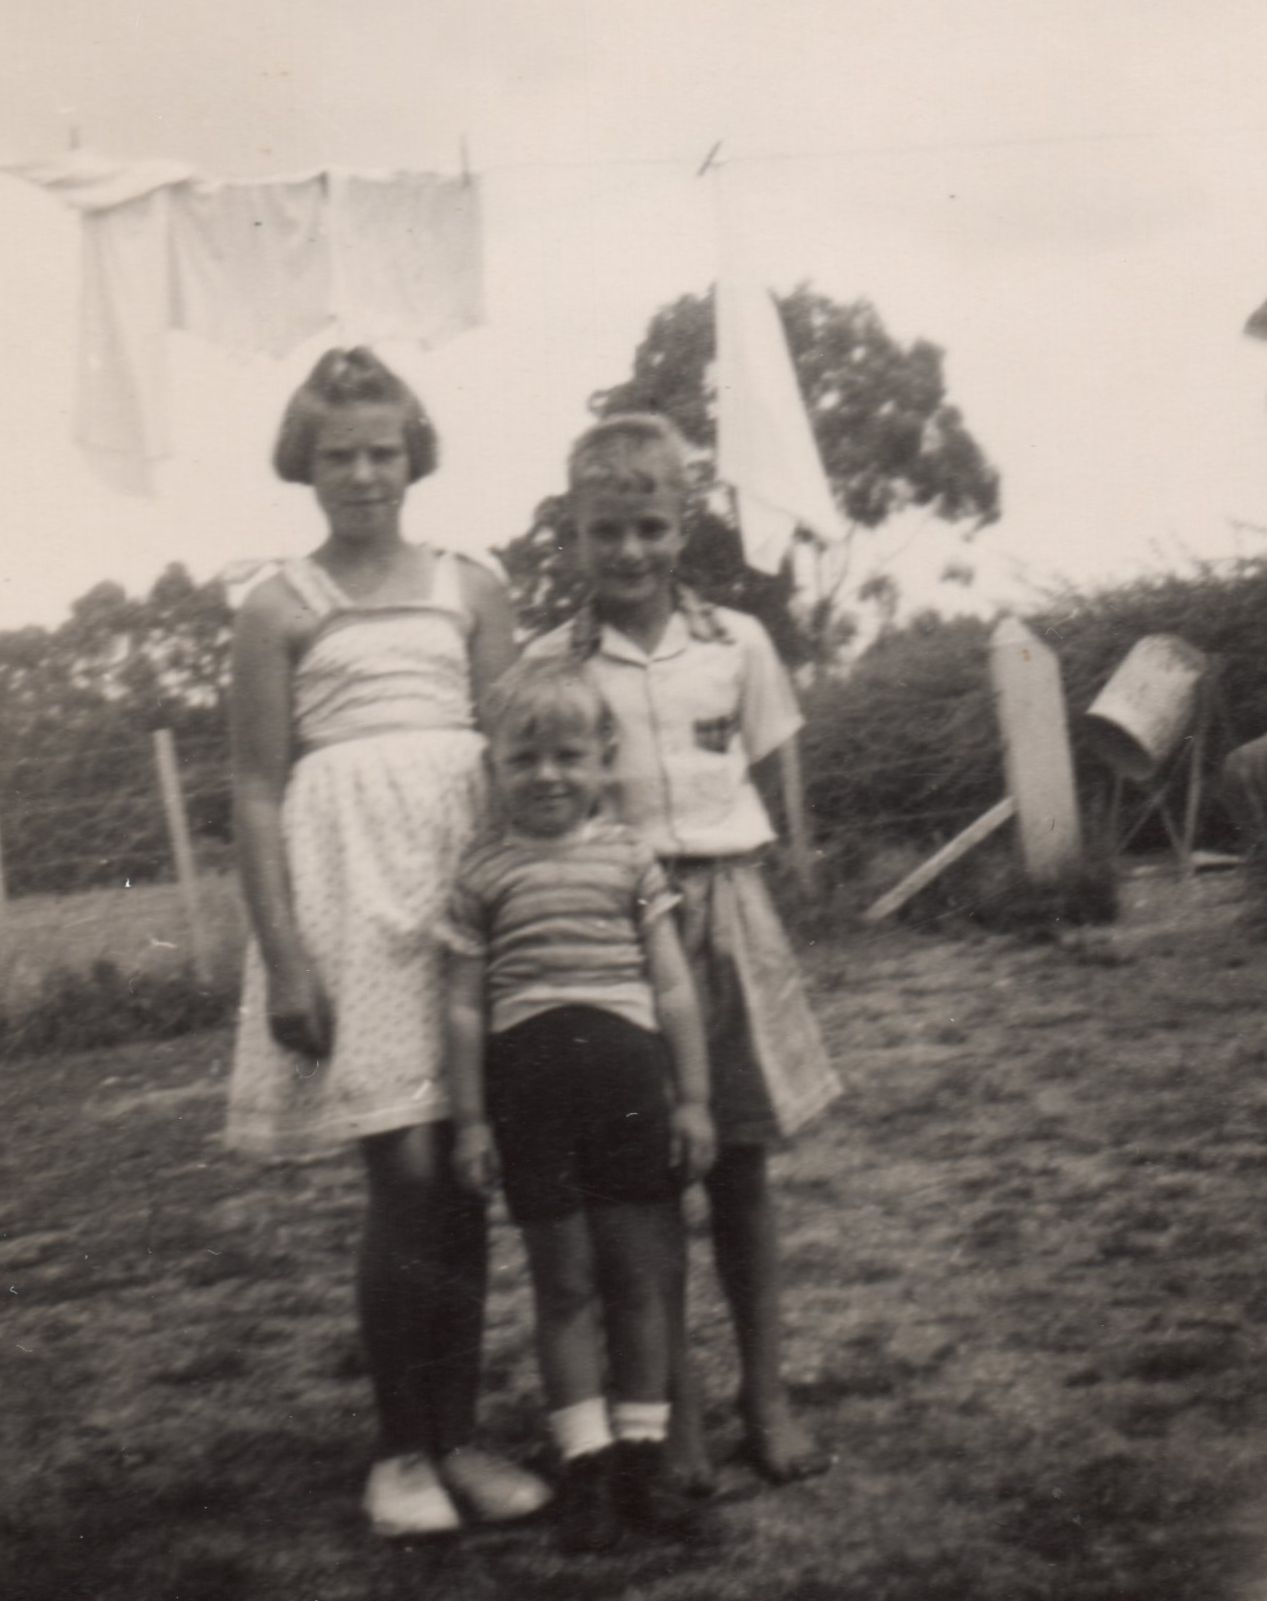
{"x": 906, "y": 750}
{"x": 990, "y": 890}
{"x": 75, "y": 1010}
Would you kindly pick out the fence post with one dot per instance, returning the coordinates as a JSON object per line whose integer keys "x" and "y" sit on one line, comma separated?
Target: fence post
{"x": 182, "y": 850}
{"x": 797, "y": 823}
{"x": 1031, "y": 709}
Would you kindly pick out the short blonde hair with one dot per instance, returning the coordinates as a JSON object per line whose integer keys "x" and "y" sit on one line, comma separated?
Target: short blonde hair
{"x": 544, "y": 693}
{"x": 350, "y": 378}
{"x": 634, "y": 452}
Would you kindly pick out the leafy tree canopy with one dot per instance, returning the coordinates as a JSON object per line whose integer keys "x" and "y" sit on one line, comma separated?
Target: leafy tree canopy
{"x": 889, "y": 438}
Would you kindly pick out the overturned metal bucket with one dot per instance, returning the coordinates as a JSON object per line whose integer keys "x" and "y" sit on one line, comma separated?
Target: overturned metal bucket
{"x": 1141, "y": 714}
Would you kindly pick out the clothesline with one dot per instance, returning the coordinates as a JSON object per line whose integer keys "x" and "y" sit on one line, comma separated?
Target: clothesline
{"x": 822, "y": 154}
{"x": 262, "y": 264}
{"x": 898, "y": 147}
{"x": 254, "y": 266}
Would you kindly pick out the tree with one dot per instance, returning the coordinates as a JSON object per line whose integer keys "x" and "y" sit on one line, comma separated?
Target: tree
{"x": 889, "y": 438}
{"x": 77, "y": 707}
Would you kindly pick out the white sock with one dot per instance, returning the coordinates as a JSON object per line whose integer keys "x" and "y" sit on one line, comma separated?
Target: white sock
{"x": 581, "y": 1428}
{"x": 640, "y": 1420}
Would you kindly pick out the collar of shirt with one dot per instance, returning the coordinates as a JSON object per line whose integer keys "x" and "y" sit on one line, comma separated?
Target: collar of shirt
{"x": 674, "y": 640}
{"x": 546, "y": 842}
{"x": 691, "y": 619}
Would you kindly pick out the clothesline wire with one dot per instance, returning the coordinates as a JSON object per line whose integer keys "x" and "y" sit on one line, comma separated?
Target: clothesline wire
{"x": 848, "y": 152}
{"x": 842, "y": 153}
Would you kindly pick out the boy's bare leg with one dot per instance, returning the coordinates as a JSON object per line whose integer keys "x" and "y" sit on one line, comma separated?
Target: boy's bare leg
{"x": 569, "y": 1340}
{"x": 636, "y": 1249}
{"x": 745, "y": 1247}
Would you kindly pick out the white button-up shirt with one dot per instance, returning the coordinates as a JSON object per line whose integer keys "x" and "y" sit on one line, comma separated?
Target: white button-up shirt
{"x": 691, "y": 719}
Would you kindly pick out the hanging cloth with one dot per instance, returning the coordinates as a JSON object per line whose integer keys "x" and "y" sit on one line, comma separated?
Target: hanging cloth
{"x": 121, "y": 402}
{"x": 257, "y": 267}
{"x": 766, "y": 448}
{"x": 252, "y": 263}
{"x": 124, "y": 308}
{"x": 408, "y": 256}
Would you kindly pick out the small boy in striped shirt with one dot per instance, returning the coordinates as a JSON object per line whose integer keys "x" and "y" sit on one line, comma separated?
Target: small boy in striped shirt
{"x": 579, "y": 1066}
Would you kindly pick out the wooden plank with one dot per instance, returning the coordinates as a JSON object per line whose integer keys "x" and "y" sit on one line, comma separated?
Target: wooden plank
{"x": 988, "y": 823}
{"x": 1031, "y": 707}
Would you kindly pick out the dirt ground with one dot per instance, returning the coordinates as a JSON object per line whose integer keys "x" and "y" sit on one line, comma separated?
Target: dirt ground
{"x": 1026, "y": 1308}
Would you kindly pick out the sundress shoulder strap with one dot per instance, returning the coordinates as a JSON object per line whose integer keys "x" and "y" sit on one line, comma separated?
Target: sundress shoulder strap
{"x": 314, "y": 586}
{"x": 446, "y": 582}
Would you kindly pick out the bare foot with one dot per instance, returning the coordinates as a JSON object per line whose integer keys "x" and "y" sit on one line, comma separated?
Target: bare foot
{"x": 779, "y": 1445}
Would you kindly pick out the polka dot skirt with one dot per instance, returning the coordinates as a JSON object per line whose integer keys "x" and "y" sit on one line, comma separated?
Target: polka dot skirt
{"x": 374, "y": 829}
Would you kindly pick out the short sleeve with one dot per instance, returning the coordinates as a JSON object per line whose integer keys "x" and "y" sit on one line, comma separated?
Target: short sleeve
{"x": 463, "y": 927}
{"x": 654, "y": 896}
{"x": 769, "y": 714}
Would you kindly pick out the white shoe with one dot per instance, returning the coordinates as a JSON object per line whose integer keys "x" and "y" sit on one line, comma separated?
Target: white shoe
{"x": 404, "y": 1499}
{"x": 491, "y": 1489}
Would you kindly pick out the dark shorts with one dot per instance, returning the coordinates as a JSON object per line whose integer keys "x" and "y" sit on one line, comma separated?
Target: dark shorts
{"x": 578, "y": 1099}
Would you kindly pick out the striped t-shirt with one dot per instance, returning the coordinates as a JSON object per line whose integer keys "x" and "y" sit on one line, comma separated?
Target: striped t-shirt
{"x": 560, "y": 923}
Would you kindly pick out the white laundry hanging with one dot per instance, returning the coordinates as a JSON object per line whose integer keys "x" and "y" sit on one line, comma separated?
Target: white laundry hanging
{"x": 766, "y": 448}
{"x": 257, "y": 267}
{"x": 252, "y": 263}
{"x": 125, "y": 298}
{"x": 121, "y": 402}
{"x": 407, "y": 256}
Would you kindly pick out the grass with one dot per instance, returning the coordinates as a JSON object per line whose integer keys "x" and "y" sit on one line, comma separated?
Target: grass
{"x": 1024, "y": 1304}
{"x": 142, "y": 930}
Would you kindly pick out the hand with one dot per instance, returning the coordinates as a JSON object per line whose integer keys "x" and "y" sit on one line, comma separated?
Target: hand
{"x": 693, "y": 1146}
{"x": 299, "y": 1016}
{"x": 475, "y": 1158}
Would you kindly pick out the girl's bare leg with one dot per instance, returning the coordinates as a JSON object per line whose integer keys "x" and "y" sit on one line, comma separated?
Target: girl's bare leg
{"x": 421, "y": 1288}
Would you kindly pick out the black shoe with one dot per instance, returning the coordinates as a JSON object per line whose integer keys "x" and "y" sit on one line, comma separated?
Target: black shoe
{"x": 584, "y": 1512}
{"x": 647, "y": 1496}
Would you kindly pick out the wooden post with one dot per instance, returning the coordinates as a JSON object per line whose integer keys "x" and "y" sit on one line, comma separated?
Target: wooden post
{"x": 182, "y": 850}
{"x": 794, "y": 812}
{"x": 1031, "y": 709}
{"x": 1196, "y": 769}
{"x": 4, "y": 893}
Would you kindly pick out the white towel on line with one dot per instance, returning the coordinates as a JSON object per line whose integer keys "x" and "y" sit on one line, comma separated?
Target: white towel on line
{"x": 257, "y": 267}
{"x": 766, "y": 448}
{"x": 252, "y": 263}
{"x": 407, "y": 256}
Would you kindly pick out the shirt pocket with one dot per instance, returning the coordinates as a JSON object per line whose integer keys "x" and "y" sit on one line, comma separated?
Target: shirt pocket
{"x": 715, "y": 734}
{"x": 708, "y": 780}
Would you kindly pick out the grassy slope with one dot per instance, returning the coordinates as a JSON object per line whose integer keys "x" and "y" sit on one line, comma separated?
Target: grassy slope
{"x": 140, "y": 930}
{"x": 1025, "y": 1303}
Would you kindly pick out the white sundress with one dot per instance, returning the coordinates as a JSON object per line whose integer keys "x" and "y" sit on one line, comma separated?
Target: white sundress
{"x": 385, "y": 796}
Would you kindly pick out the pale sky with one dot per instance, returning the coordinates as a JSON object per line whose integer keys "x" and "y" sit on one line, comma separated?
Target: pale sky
{"x": 1070, "y": 198}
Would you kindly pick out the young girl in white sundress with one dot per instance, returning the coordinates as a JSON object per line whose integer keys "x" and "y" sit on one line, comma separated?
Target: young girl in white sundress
{"x": 358, "y": 672}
